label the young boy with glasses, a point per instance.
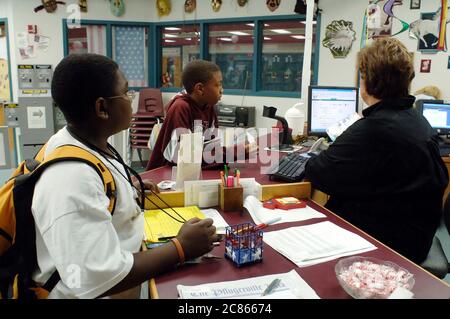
(96, 253)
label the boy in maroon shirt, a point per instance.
(190, 111)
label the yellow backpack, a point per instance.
(18, 258)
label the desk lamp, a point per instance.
(285, 138)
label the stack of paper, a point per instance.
(262, 215)
(292, 286)
(316, 243)
(159, 225)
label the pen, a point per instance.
(165, 238)
(271, 287)
(225, 168)
(222, 178)
(267, 223)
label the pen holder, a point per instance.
(231, 198)
(243, 244)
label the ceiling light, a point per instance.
(169, 35)
(281, 31)
(172, 28)
(300, 37)
(267, 38)
(226, 39)
(252, 24)
(169, 41)
(238, 33)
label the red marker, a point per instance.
(269, 222)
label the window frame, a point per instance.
(109, 41)
(258, 22)
(154, 52)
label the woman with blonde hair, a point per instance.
(384, 174)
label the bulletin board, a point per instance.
(5, 92)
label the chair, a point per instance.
(150, 103)
(436, 261)
(150, 111)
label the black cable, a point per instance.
(128, 177)
(141, 183)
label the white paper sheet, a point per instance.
(36, 117)
(205, 193)
(189, 158)
(291, 286)
(193, 189)
(261, 214)
(3, 149)
(219, 222)
(316, 243)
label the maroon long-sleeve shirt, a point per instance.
(182, 112)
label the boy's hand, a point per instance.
(148, 184)
(196, 236)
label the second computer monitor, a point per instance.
(328, 105)
(438, 115)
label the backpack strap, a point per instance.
(66, 153)
(52, 281)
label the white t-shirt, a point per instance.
(75, 232)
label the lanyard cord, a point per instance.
(128, 169)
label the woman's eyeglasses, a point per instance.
(129, 94)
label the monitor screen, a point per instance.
(328, 105)
(438, 115)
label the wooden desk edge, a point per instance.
(152, 291)
(380, 243)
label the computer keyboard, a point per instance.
(291, 168)
(444, 151)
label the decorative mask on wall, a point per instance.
(273, 4)
(117, 7)
(83, 5)
(190, 5)
(49, 5)
(164, 7)
(216, 4)
(339, 38)
(242, 3)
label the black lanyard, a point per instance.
(116, 156)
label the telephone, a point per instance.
(318, 146)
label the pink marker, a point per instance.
(230, 181)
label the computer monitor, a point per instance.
(328, 105)
(438, 115)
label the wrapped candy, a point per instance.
(368, 278)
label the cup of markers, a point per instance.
(231, 193)
(230, 180)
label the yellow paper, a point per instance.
(158, 224)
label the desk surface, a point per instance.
(320, 277)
